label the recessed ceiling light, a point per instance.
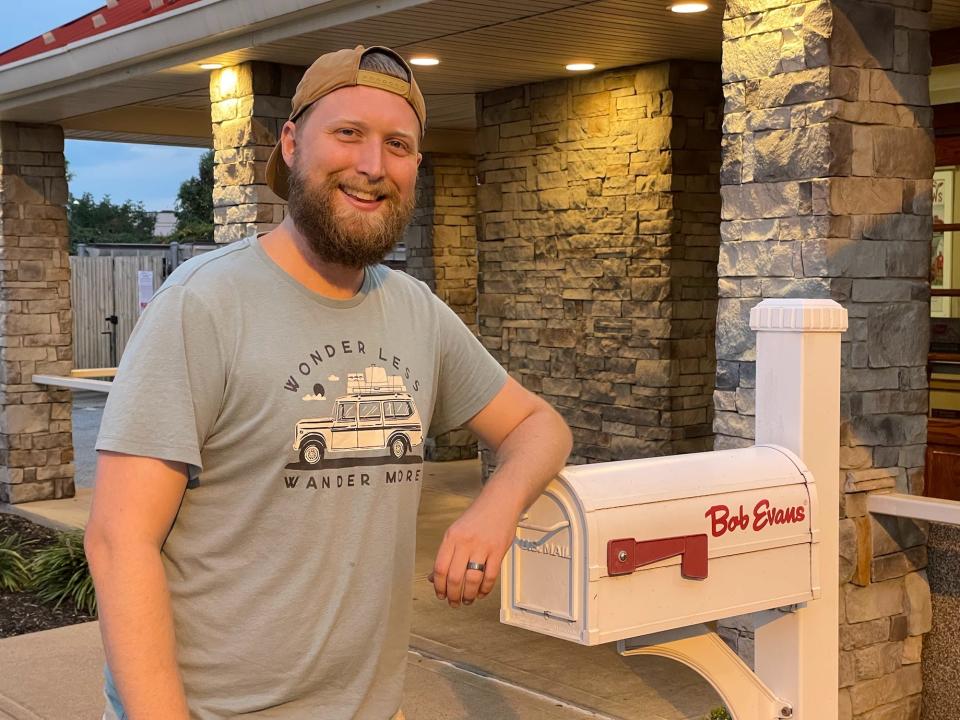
(424, 61)
(211, 66)
(689, 7)
(580, 67)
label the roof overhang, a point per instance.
(142, 82)
(205, 28)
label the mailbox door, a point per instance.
(543, 557)
(544, 569)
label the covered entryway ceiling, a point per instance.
(143, 83)
(482, 44)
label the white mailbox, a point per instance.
(621, 549)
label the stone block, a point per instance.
(848, 533)
(850, 46)
(885, 291)
(860, 196)
(765, 259)
(899, 564)
(735, 340)
(34, 418)
(265, 106)
(656, 373)
(561, 387)
(38, 138)
(855, 458)
(889, 160)
(877, 660)
(896, 88)
(733, 425)
(917, 603)
(898, 628)
(848, 669)
(888, 324)
(874, 601)
(888, 401)
(888, 697)
(19, 324)
(28, 492)
(842, 257)
(804, 86)
(548, 109)
(871, 479)
(51, 472)
(598, 103)
(864, 634)
(752, 56)
(760, 200)
(912, 649)
(891, 534)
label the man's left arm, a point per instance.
(531, 442)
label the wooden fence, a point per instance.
(104, 287)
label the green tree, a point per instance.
(106, 222)
(194, 206)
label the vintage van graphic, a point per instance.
(376, 413)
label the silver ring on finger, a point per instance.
(476, 566)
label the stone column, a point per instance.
(826, 184)
(36, 322)
(598, 238)
(442, 251)
(248, 105)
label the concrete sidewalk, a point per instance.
(463, 664)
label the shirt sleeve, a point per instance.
(469, 376)
(169, 386)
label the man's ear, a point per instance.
(288, 142)
(419, 159)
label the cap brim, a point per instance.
(278, 174)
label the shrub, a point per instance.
(60, 572)
(720, 713)
(14, 571)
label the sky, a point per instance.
(150, 174)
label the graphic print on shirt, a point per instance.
(376, 419)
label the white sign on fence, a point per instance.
(144, 287)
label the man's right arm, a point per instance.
(135, 502)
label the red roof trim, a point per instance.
(115, 14)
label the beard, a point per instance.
(343, 236)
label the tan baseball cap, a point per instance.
(334, 71)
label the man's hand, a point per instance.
(481, 535)
(532, 443)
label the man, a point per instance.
(252, 530)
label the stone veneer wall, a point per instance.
(36, 322)
(442, 251)
(598, 237)
(249, 103)
(827, 167)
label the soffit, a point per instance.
(483, 45)
(945, 14)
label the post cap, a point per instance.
(798, 315)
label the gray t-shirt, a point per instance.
(302, 419)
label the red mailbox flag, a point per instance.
(627, 554)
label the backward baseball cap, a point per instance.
(331, 72)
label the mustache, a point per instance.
(381, 190)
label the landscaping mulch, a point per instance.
(23, 612)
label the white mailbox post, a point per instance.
(644, 552)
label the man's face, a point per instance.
(353, 173)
